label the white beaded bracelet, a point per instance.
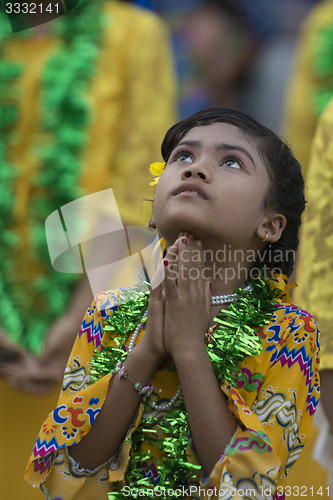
(146, 390)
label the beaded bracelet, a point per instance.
(146, 390)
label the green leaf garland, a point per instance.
(65, 116)
(236, 334)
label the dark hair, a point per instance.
(286, 194)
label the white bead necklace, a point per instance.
(216, 299)
(226, 299)
(155, 406)
(136, 332)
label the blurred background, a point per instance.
(233, 53)
(85, 101)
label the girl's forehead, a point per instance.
(216, 126)
(219, 132)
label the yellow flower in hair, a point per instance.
(156, 169)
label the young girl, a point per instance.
(204, 387)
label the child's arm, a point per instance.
(122, 400)
(80, 410)
(118, 410)
(187, 313)
(212, 423)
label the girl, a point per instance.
(206, 385)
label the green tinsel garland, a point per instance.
(234, 338)
(8, 116)
(65, 116)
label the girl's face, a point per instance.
(214, 186)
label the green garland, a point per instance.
(236, 335)
(8, 116)
(234, 338)
(65, 116)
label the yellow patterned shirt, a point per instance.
(274, 405)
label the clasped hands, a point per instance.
(179, 304)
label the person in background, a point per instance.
(309, 101)
(71, 91)
(308, 128)
(84, 100)
(219, 30)
(221, 45)
(310, 87)
(315, 267)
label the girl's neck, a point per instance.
(220, 288)
(224, 287)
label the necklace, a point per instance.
(235, 337)
(155, 406)
(217, 299)
(226, 299)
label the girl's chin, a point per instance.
(171, 228)
(171, 237)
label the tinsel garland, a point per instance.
(65, 116)
(9, 72)
(236, 334)
(235, 337)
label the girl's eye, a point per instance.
(233, 164)
(183, 157)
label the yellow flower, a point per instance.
(156, 169)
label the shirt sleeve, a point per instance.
(80, 401)
(274, 407)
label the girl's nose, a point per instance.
(195, 171)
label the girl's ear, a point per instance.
(151, 225)
(271, 228)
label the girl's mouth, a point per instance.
(190, 194)
(190, 189)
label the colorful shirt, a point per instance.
(273, 405)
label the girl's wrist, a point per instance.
(181, 341)
(144, 353)
(193, 351)
(190, 358)
(143, 390)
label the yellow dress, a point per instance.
(302, 109)
(312, 148)
(315, 262)
(273, 404)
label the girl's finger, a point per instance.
(170, 263)
(157, 281)
(191, 263)
(208, 295)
